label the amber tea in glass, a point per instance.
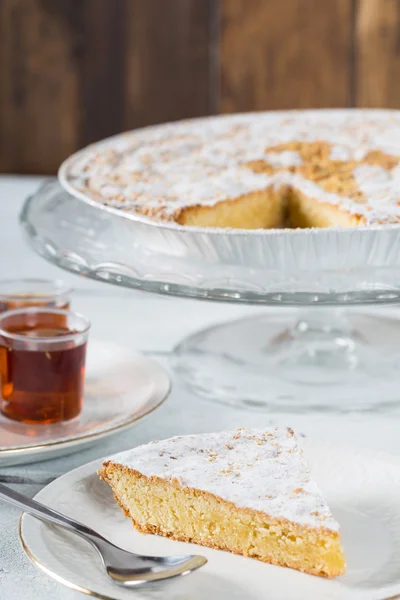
(42, 364)
(19, 293)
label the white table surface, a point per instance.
(153, 324)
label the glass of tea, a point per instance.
(42, 364)
(18, 293)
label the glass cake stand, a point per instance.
(316, 353)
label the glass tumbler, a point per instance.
(18, 293)
(42, 364)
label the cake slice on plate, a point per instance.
(247, 491)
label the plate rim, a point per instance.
(52, 574)
(307, 442)
(37, 448)
(66, 165)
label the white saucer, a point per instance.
(362, 488)
(121, 387)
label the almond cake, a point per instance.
(246, 491)
(251, 171)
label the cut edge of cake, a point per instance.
(165, 505)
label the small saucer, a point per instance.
(121, 387)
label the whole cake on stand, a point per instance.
(254, 171)
(293, 208)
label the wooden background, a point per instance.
(75, 71)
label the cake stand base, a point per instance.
(319, 359)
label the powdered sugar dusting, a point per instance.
(161, 170)
(286, 158)
(381, 186)
(259, 469)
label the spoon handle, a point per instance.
(45, 513)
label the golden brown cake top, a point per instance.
(346, 158)
(263, 470)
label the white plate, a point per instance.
(362, 488)
(121, 387)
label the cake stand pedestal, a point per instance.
(316, 352)
(325, 359)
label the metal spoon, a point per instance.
(124, 568)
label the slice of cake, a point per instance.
(247, 491)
